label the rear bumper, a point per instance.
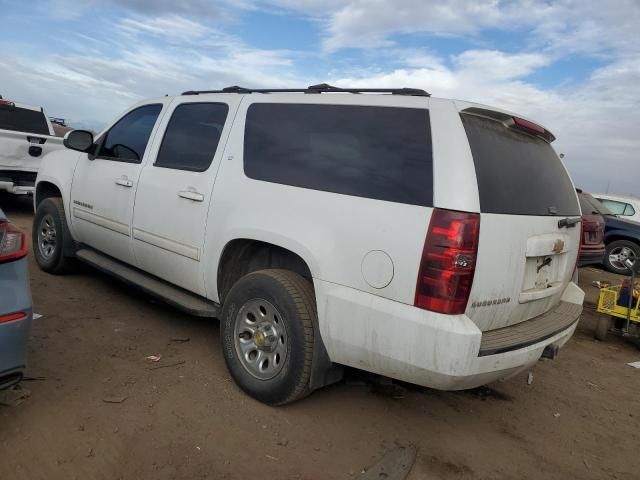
(590, 257)
(437, 351)
(14, 338)
(14, 335)
(16, 189)
(19, 182)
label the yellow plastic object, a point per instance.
(608, 303)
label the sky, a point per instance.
(571, 65)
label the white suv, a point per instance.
(428, 240)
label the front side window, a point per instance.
(383, 153)
(192, 136)
(127, 140)
(617, 208)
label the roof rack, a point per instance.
(321, 88)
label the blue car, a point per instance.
(15, 303)
(621, 237)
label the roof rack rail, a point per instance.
(320, 88)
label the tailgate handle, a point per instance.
(569, 222)
(38, 140)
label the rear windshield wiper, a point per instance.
(568, 222)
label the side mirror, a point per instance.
(80, 140)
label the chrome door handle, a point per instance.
(189, 195)
(124, 181)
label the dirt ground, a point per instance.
(580, 418)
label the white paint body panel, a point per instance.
(365, 307)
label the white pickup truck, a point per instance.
(26, 135)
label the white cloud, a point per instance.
(168, 47)
(142, 58)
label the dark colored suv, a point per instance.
(592, 246)
(621, 237)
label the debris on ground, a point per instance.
(36, 316)
(530, 378)
(180, 339)
(556, 415)
(395, 465)
(12, 397)
(634, 364)
(33, 379)
(154, 358)
(113, 399)
(174, 364)
(601, 283)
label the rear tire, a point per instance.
(51, 237)
(618, 250)
(268, 335)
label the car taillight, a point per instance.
(448, 262)
(12, 316)
(13, 243)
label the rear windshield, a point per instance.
(23, 120)
(382, 153)
(518, 174)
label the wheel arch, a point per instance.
(242, 256)
(46, 189)
(620, 235)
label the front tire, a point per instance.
(51, 238)
(617, 252)
(267, 331)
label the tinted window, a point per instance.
(374, 152)
(590, 205)
(23, 120)
(617, 208)
(517, 173)
(596, 204)
(192, 136)
(127, 140)
(585, 205)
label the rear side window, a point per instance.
(192, 136)
(617, 208)
(23, 120)
(518, 174)
(382, 153)
(127, 140)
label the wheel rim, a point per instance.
(260, 339)
(47, 239)
(618, 256)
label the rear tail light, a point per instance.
(448, 262)
(7, 102)
(13, 243)
(12, 316)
